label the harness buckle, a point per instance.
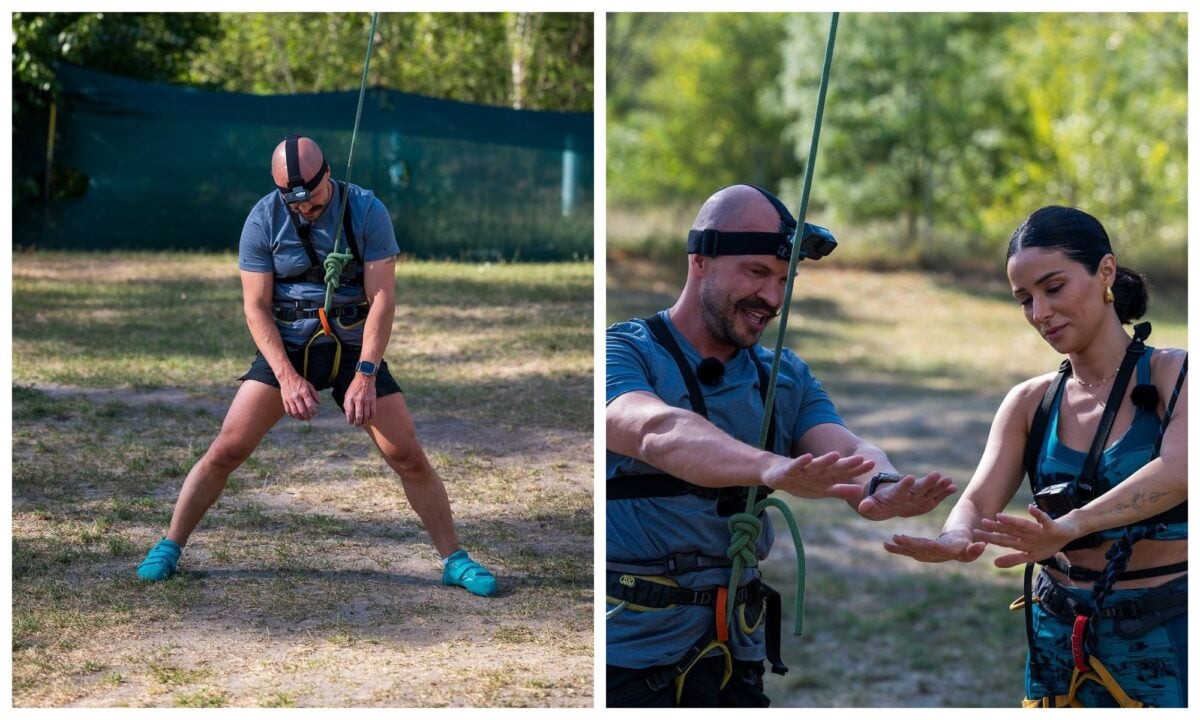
(683, 563)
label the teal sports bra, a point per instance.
(1059, 463)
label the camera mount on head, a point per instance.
(815, 241)
(298, 191)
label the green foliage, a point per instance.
(1105, 100)
(147, 46)
(458, 56)
(942, 131)
(914, 121)
(688, 104)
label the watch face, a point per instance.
(365, 367)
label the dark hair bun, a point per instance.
(1131, 295)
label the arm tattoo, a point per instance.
(1140, 500)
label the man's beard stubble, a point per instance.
(719, 314)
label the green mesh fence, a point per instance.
(166, 167)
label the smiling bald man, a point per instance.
(685, 391)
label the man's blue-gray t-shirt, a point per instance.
(648, 529)
(270, 244)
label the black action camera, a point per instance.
(1057, 500)
(816, 242)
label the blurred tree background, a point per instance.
(531, 61)
(942, 131)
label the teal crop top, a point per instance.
(1059, 463)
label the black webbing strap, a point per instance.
(635, 590)
(627, 487)
(291, 151)
(1062, 604)
(658, 327)
(1041, 418)
(1162, 429)
(1083, 574)
(1087, 481)
(712, 243)
(677, 564)
(315, 273)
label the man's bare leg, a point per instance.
(254, 411)
(393, 432)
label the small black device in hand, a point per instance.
(881, 478)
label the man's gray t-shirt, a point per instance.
(649, 529)
(270, 243)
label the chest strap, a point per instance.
(1085, 486)
(352, 274)
(730, 500)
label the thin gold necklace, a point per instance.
(1098, 383)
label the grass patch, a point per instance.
(312, 567)
(202, 699)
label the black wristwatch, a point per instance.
(880, 478)
(366, 367)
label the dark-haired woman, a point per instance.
(1118, 560)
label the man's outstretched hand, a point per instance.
(907, 498)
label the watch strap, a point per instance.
(881, 478)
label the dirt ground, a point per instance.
(311, 583)
(884, 631)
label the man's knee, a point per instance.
(406, 457)
(228, 452)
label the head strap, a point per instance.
(297, 190)
(710, 242)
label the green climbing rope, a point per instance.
(336, 261)
(746, 527)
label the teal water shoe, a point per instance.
(160, 562)
(462, 571)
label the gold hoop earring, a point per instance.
(1108, 296)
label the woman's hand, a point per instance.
(957, 544)
(1034, 540)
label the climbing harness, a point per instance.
(352, 272)
(1058, 498)
(755, 602)
(1134, 617)
(338, 269)
(746, 526)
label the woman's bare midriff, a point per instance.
(1146, 554)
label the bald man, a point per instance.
(685, 393)
(301, 350)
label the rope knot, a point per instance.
(335, 263)
(745, 529)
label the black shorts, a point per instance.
(320, 367)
